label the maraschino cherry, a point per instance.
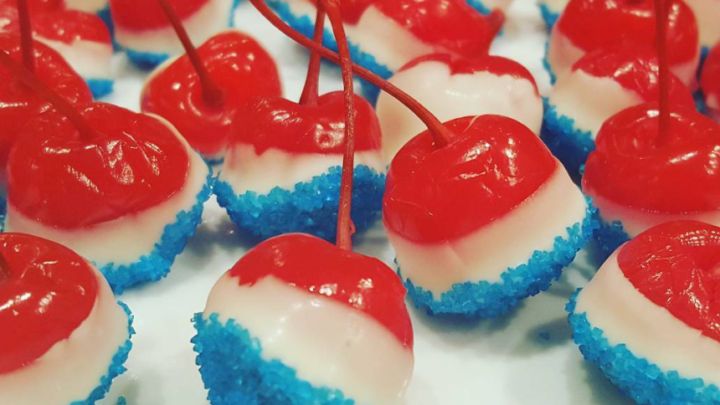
(653, 163)
(710, 82)
(459, 256)
(98, 176)
(328, 301)
(201, 92)
(58, 317)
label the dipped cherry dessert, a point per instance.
(601, 83)
(710, 83)
(282, 166)
(650, 317)
(452, 87)
(65, 337)
(143, 30)
(81, 38)
(201, 91)
(586, 25)
(294, 299)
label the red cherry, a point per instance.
(318, 267)
(676, 266)
(305, 128)
(234, 61)
(19, 104)
(592, 24)
(635, 69)
(143, 15)
(710, 81)
(677, 174)
(47, 293)
(435, 194)
(60, 178)
(450, 25)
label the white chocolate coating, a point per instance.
(451, 96)
(488, 252)
(90, 6)
(90, 59)
(650, 331)
(72, 368)
(329, 344)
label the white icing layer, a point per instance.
(136, 233)
(556, 6)
(636, 221)
(90, 6)
(328, 343)
(206, 22)
(575, 95)
(496, 4)
(90, 59)
(453, 96)
(72, 368)
(707, 14)
(504, 243)
(245, 170)
(371, 34)
(650, 331)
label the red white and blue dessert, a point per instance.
(586, 25)
(650, 317)
(65, 337)
(453, 87)
(710, 83)
(455, 213)
(122, 189)
(144, 31)
(642, 173)
(236, 65)
(601, 83)
(81, 38)
(298, 320)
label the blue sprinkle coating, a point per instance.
(105, 15)
(234, 371)
(310, 207)
(489, 300)
(546, 63)
(100, 87)
(3, 212)
(479, 6)
(116, 365)
(549, 17)
(609, 237)
(156, 265)
(146, 60)
(637, 377)
(568, 143)
(699, 99)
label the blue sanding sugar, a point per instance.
(609, 237)
(639, 378)
(310, 207)
(568, 143)
(546, 63)
(234, 371)
(100, 87)
(549, 17)
(116, 367)
(488, 300)
(479, 6)
(156, 265)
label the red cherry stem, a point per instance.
(26, 39)
(63, 106)
(310, 91)
(345, 227)
(441, 134)
(212, 94)
(661, 20)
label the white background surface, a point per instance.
(527, 357)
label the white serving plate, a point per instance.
(527, 357)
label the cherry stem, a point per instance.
(26, 37)
(441, 135)
(212, 94)
(62, 105)
(661, 19)
(310, 91)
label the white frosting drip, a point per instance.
(573, 97)
(90, 59)
(636, 221)
(206, 22)
(650, 331)
(453, 96)
(72, 368)
(707, 13)
(486, 253)
(136, 233)
(245, 170)
(326, 342)
(556, 6)
(90, 6)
